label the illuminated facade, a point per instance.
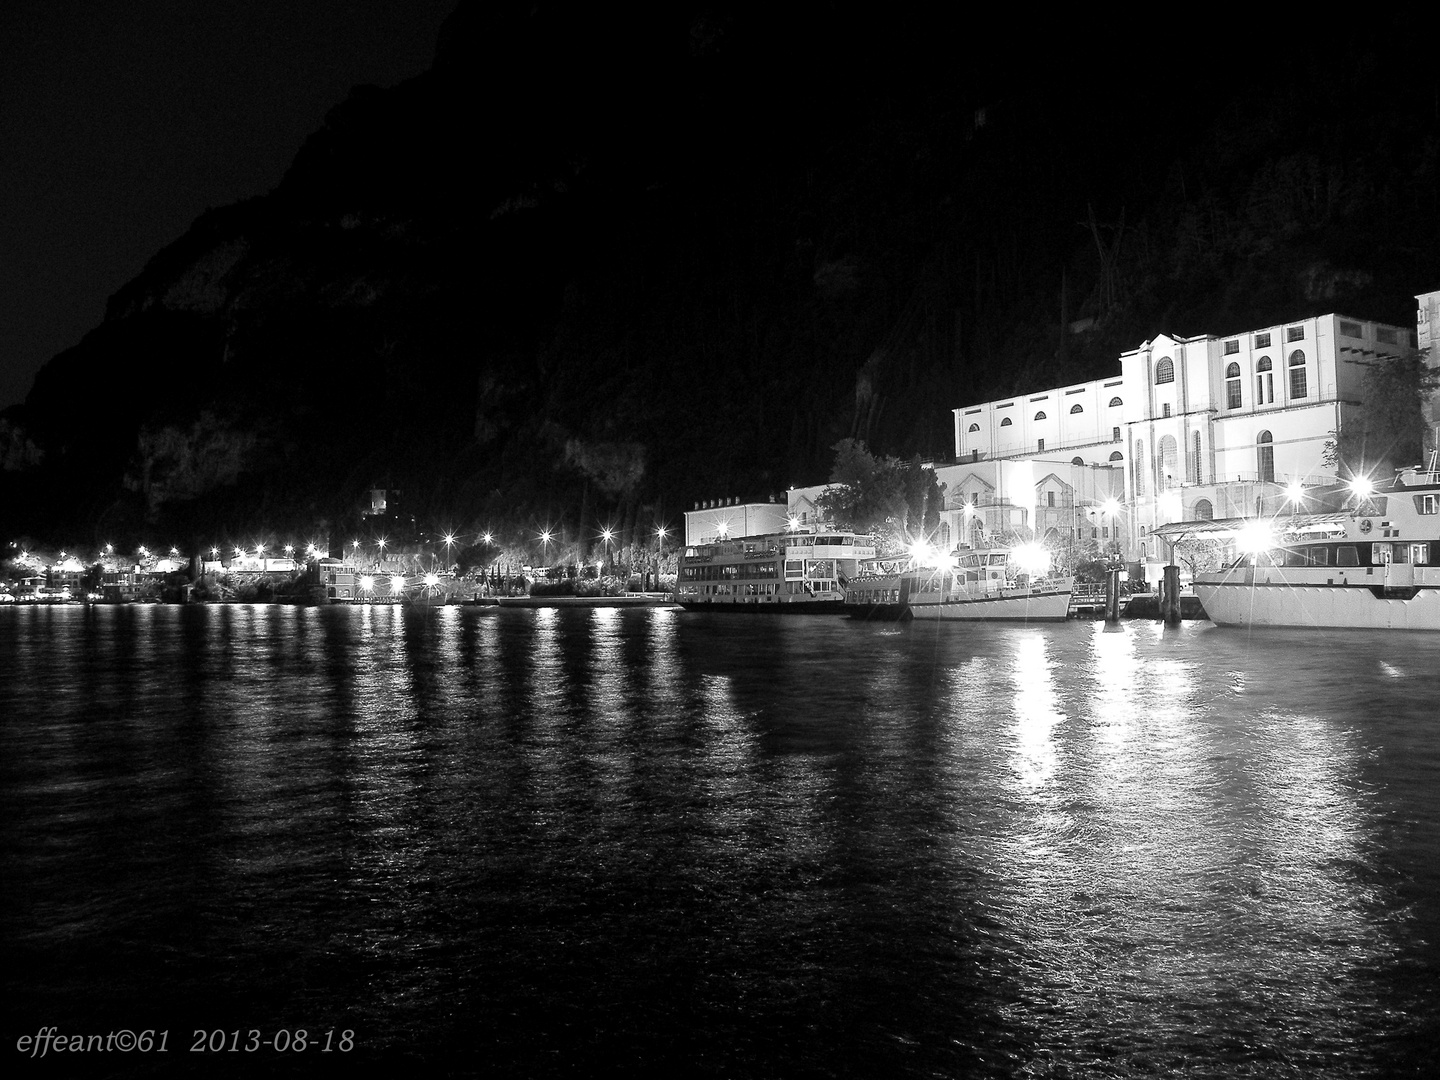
(1192, 428)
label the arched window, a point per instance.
(1077, 461)
(1297, 374)
(1232, 386)
(974, 427)
(1265, 456)
(1164, 371)
(1006, 422)
(1169, 463)
(1264, 382)
(1115, 402)
(1196, 473)
(1076, 408)
(1039, 416)
(1204, 511)
(1139, 467)
(1117, 456)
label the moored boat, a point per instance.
(785, 573)
(971, 585)
(1357, 559)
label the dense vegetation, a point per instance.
(595, 266)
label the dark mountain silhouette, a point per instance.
(595, 265)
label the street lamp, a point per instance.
(659, 544)
(545, 545)
(607, 535)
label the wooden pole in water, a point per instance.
(1170, 596)
(1112, 597)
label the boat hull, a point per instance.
(764, 605)
(1018, 605)
(1358, 607)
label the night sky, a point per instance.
(120, 123)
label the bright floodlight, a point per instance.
(1362, 487)
(1257, 536)
(1295, 492)
(606, 534)
(239, 553)
(449, 538)
(723, 528)
(921, 553)
(792, 523)
(1032, 559)
(397, 583)
(486, 538)
(367, 583)
(1110, 506)
(660, 531)
(431, 580)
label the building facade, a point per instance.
(1193, 427)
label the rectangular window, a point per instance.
(1115, 434)
(1166, 407)
(1351, 329)
(1295, 333)
(1232, 347)
(1297, 382)
(1420, 554)
(1387, 335)
(1345, 555)
(1262, 341)
(1232, 394)
(1050, 498)
(1427, 504)
(1319, 556)
(1105, 532)
(1042, 444)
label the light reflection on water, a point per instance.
(538, 839)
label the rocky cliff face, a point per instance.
(593, 266)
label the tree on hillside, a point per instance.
(884, 496)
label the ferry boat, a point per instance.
(1359, 559)
(786, 573)
(973, 585)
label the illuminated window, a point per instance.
(1006, 422)
(1041, 447)
(1297, 374)
(1195, 469)
(1232, 386)
(1139, 467)
(1115, 434)
(1039, 416)
(1204, 511)
(1076, 408)
(1232, 347)
(1164, 371)
(1165, 409)
(1351, 329)
(1077, 461)
(1115, 402)
(1169, 463)
(1262, 341)
(1295, 333)
(1264, 382)
(974, 427)
(1117, 456)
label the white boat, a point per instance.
(973, 585)
(1357, 560)
(785, 573)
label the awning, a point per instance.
(1295, 526)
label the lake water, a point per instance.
(549, 842)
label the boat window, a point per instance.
(997, 559)
(1420, 554)
(1347, 555)
(1319, 556)
(1427, 504)
(1295, 557)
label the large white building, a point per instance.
(1193, 427)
